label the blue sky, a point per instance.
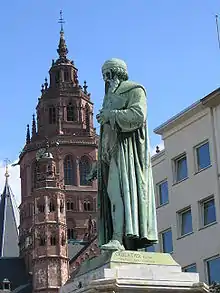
(170, 47)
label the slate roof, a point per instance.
(77, 254)
(13, 269)
(74, 248)
(8, 226)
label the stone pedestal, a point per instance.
(131, 271)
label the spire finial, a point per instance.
(7, 161)
(62, 48)
(61, 21)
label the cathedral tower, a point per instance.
(56, 199)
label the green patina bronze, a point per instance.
(125, 185)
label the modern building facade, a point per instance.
(187, 183)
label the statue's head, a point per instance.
(114, 71)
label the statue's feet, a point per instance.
(113, 245)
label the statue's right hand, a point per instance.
(103, 116)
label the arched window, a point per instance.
(42, 240)
(41, 208)
(34, 171)
(53, 240)
(52, 115)
(66, 76)
(87, 117)
(40, 205)
(61, 206)
(71, 112)
(70, 206)
(87, 206)
(84, 168)
(52, 205)
(70, 234)
(69, 171)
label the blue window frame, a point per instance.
(208, 211)
(167, 241)
(213, 269)
(185, 222)
(181, 171)
(190, 269)
(162, 189)
(150, 248)
(203, 156)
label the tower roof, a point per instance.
(8, 226)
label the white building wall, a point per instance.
(203, 243)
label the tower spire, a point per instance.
(34, 131)
(62, 48)
(6, 169)
(8, 225)
(28, 136)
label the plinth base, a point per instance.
(133, 271)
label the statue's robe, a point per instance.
(130, 149)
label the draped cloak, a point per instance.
(131, 152)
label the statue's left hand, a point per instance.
(103, 116)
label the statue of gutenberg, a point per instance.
(126, 200)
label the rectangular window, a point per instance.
(57, 77)
(66, 76)
(190, 269)
(167, 241)
(52, 115)
(185, 222)
(71, 113)
(162, 193)
(180, 168)
(213, 269)
(203, 156)
(208, 212)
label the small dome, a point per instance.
(47, 155)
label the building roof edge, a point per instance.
(160, 129)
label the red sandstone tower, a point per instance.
(50, 257)
(57, 202)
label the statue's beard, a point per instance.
(111, 85)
